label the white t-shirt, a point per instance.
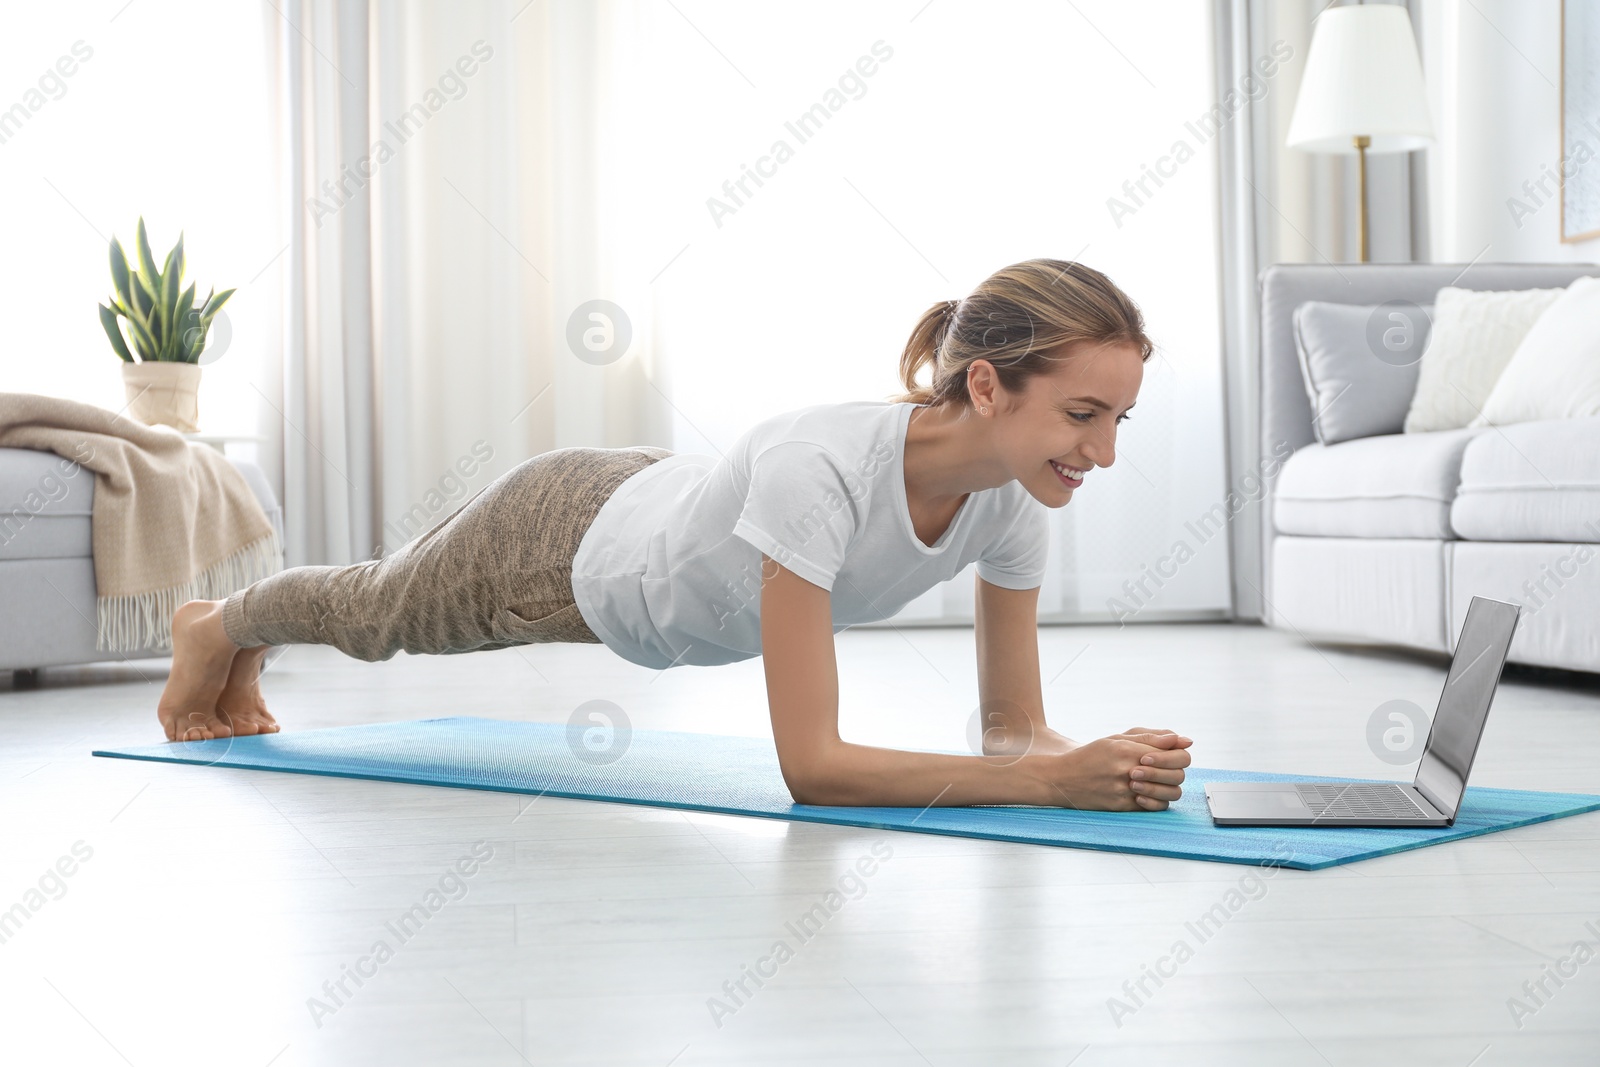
(670, 571)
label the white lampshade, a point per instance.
(1362, 76)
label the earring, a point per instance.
(983, 411)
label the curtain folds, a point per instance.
(320, 406)
(451, 186)
(1246, 226)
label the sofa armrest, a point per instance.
(256, 478)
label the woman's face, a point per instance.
(1063, 424)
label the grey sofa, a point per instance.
(47, 588)
(1387, 538)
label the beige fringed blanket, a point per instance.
(173, 521)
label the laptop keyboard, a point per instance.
(1360, 801)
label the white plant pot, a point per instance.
(164, 394)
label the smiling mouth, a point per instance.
(1070, 476)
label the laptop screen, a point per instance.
(1464, 704)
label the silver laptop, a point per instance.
(1433, 798)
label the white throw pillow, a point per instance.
(1474, 335)
(1555, 371)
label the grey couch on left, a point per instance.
(47, 588)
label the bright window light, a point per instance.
(163, 114)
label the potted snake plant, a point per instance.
(152, 316)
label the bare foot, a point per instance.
(241, 706)
(202, 658)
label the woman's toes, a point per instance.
(250, 720)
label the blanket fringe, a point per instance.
(144, 620)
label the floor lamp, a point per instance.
(1362, 89)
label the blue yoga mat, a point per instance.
(739, 776)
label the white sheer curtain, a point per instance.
(446, 180)
(628, 152)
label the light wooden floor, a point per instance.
(217, 903)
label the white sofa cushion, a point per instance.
(1555, 371)
(1393, 485)
(1532, 481)
(1474, 335)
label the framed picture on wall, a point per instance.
(1580, 108)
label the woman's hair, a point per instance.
(1022, 319)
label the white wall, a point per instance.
(1494, 78)
(83, 167)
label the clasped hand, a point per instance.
(1140, 769)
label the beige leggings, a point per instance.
(497, 572)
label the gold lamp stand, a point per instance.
(1362, 141)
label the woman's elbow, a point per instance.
(811, 782)
(809, 788)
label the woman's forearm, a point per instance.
(1025, 762)
(1034, 742)
(864, 775)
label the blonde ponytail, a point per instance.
(1021, 319)
(922, 349)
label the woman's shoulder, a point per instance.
(843, 429)
(847, 414)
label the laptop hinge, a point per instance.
(1431, 799)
